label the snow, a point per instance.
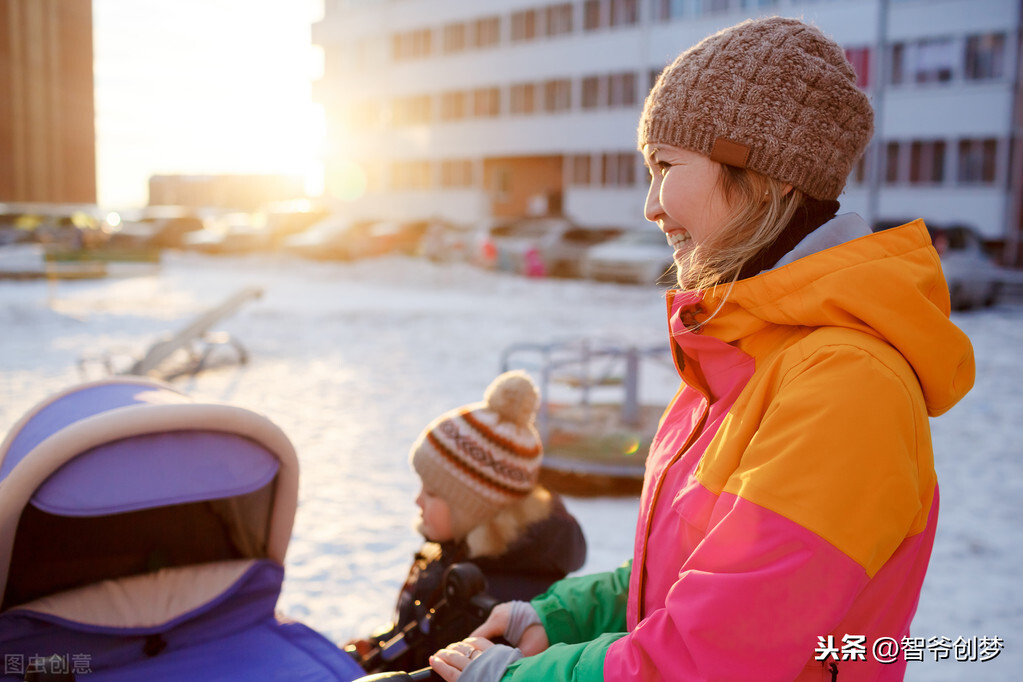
(353, 360)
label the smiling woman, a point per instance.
(199, 87)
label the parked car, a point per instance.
(387, 237)
(446, 242)
(547, 245)
(974, 279)
(233, 233)
(18, 227)
(640, 255)
(287, 218)
(336, 237)
(168, 225)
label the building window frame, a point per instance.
(984, 56)
(977, 162)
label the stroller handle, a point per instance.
(464, 589)
(424, 675)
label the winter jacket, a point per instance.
(546, 552)
(790, 494)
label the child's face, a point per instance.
(434, 517)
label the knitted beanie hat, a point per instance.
(483, 456)
(774, 95)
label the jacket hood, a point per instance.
(887, 284)
(554, 545)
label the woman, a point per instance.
(790, 499)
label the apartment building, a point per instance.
(47, 116)
(481, 110)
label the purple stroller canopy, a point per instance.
(120, 448)
(156, 470)
(148, 531)
(141, 471)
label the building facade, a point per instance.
(47, 114)
(476, 111)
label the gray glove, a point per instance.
(490, 665)
(521, 617)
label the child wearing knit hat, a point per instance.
(480, 501)
(790, 501)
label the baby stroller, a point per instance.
(142, 536)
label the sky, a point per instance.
(203, 87)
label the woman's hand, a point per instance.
(450, 661)
(533, 640)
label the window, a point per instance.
(935, 60)
(559, 19)
(666, 10)
(618, 170)
(456, 173)
(453, 105)
(486, 32)
(859, 57)
(454, 38)
(580, 170)
(858, 175)
(523, 25)
(985, 56)
(523, 98)
(891, 157)
(624, 12)
(977, 161)
(926, 162)
(486, 102)
(897, 64)
(591, 92)
(412, 110)
(593, 15)
(925, 61)
(652, 78)
(713, 6)
(557, 95)
(411, 44)
(410, 175)
(364, 115)
(621, 91)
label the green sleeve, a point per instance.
(580, 609)
(576, 662)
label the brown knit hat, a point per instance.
(774, 95)
(483, 456)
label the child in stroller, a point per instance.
(481, 504)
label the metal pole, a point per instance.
(875, 165)
(630, 406)
(1014, 215)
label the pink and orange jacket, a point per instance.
(790, 494)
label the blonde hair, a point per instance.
(761, 208)
(493, 536)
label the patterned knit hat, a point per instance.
(483, 456)
(774, 95)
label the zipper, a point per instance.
(697, 430)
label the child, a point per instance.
(480, 502)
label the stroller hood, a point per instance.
(125, 476)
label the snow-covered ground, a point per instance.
(353, 360)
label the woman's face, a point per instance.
(434, 517)
(685, 199)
